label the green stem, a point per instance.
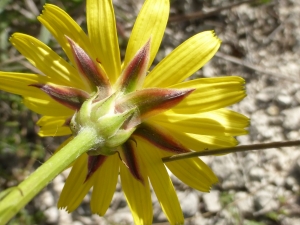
(31, 186)
(241, 148)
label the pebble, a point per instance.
(291, 221)
(189, 202)
(212, 201)
(265, 199)
(58, 183)
(273, 110)
(284, 99)
(297, 96)
(121, 217)
(257, 173)
(78, 223)
(266, 95)
(84, 220)
(244, 201)
(292, 184)
(293, 135)
(292, 118)
(64, 217)
(51, 215)
(48, 200)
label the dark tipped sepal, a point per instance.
(94, 162)
(160, 138)
(67, 96)
(89, 69)
(150, 102)
(129, 158)
(134, 74)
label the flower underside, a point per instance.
(132, 120)
(117, 112)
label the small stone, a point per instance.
(161, 217)
(273, 110)
(51, 215)
(189, 202)
(254, 186)
(278, 180)
(284, 99)
(198, 219)
(59, 182)
(297, 96)
(212, 201)
(118, 200)
(276, 159)
(84, 219)
(248, 106)
(64, 217)
(292, 118)
(293, 135)
(99, 219)
(276, 120)
(265, 200)
(291, 220)
(266, 95)
(291, 184)
(46, 200)
(260, 118)
(77, 223)
(257, 173)
(244, 202)
(121, 217)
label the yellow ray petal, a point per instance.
(54, 131)
(137, 194)
(185, 60)
(75, 188)
(51, 121)
(46, 60)
(160, 181)
(215, 123)
(53, 126)
(213, 82)
(208, 100)
(34, 99)
(192, 172)
(198, 142)
(210, 94)
(102, 32)
(106, 178)
(18, 83)
(150, 23)
(228, 118)
(45, 105)
(59, 23)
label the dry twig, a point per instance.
(255, 67)
(202, 15)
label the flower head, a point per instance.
(139, 116)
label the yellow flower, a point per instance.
(157, 115)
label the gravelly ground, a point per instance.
(261, 43)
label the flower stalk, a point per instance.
(30, 187)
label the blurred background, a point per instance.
(260, 42)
